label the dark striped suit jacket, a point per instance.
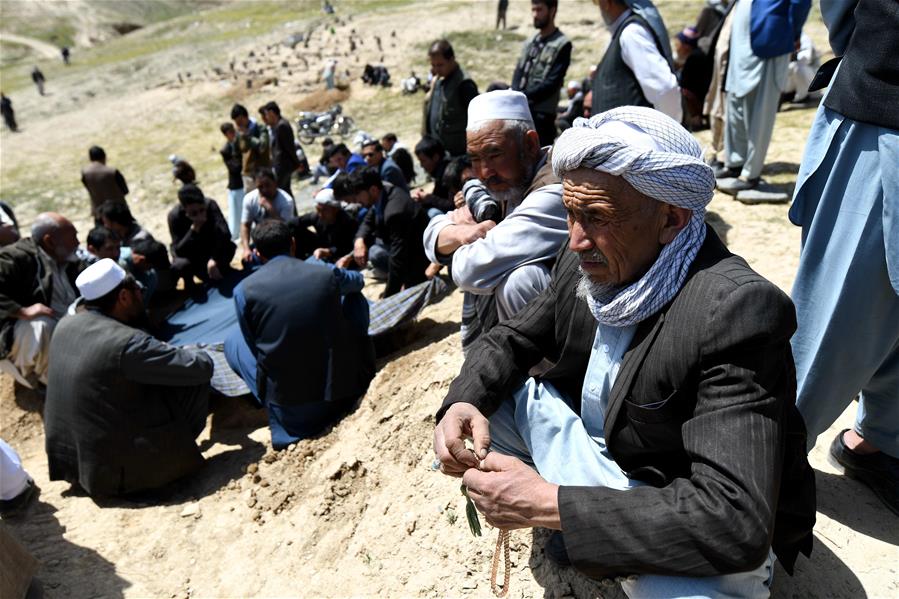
(703, 409)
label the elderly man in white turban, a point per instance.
(656, 428)
(504, 259)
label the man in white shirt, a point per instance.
(266, 201)
(636, 68)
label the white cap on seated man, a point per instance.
(509, 260)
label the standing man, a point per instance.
(763, 35)
(847, 287)
(284, 152)
(38, 77)
(446, 107)
(233, 162)
(9, 115)
(373, 153)
(37, 285)
(636, 69)
(501, 9)
(302, 347)
(541, 69)
(123, 409)
(253, 143)
(103, 183)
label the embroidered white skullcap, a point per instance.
(325, 197)
(499, 105)
(99, 278)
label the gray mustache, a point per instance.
(593, 255)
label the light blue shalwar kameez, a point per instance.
(538, 426)
(847, 288)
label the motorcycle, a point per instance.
(331, 123)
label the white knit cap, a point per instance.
(100, 278)
(499, 105)
(325, 197)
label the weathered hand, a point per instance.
(462, 216)
(511, 494)
(478, 231)
(33, 311)
(461, 421)
(459, 199)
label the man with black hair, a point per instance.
(303, 346)
(123, 409)
(541, 69)
(446, 107)
(373, 154)
(265, 201)
(103, 183)
(432, 158)
(201, 242)
(117, 218)
(340, 158)
(253, 142)
(390, 233)
(233, 162)
(37, 285)
(390, 143)
(101, 243)
(284, 153)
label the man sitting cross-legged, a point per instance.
(303, 346)
(662, 438)
(123, 409)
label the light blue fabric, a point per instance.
(235, 209)
(753, 92)
(539, 426)
(609, 346)
(847, 288)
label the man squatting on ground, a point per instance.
(662, 440)
(508, 263)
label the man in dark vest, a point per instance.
(103, 183)
(446, 107)
(303, 346)
(541, 69)
(636, 68)
(847, 287)
(123, 409)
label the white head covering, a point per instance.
(325, 197)
(100, 278)
(499, 105)
(574, 83)
(660, 159)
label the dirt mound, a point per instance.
(321, 99)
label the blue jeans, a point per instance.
(539, 427)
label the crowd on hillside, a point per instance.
(628, 381)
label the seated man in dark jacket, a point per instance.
(432, 158)
(123, 409)
(201, 240)
(644, 404)
(333, 229)
(391, 231)
(303, 346)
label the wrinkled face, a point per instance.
(372, 156)
(267, 188)
(614, 229)
(328, 214)
(111, 248)
(498, 158)
(541, 14)
(429, 163)
(440, 66)
(62, 243)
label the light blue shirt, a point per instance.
(608, 350)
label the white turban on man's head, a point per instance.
(660, 159)
(646, 148)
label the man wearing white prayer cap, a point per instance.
(122, 408)
(501, 265)
(655, 429)
(327, 233)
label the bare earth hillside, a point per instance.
(357, 511)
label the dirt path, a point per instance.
(45, 49)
